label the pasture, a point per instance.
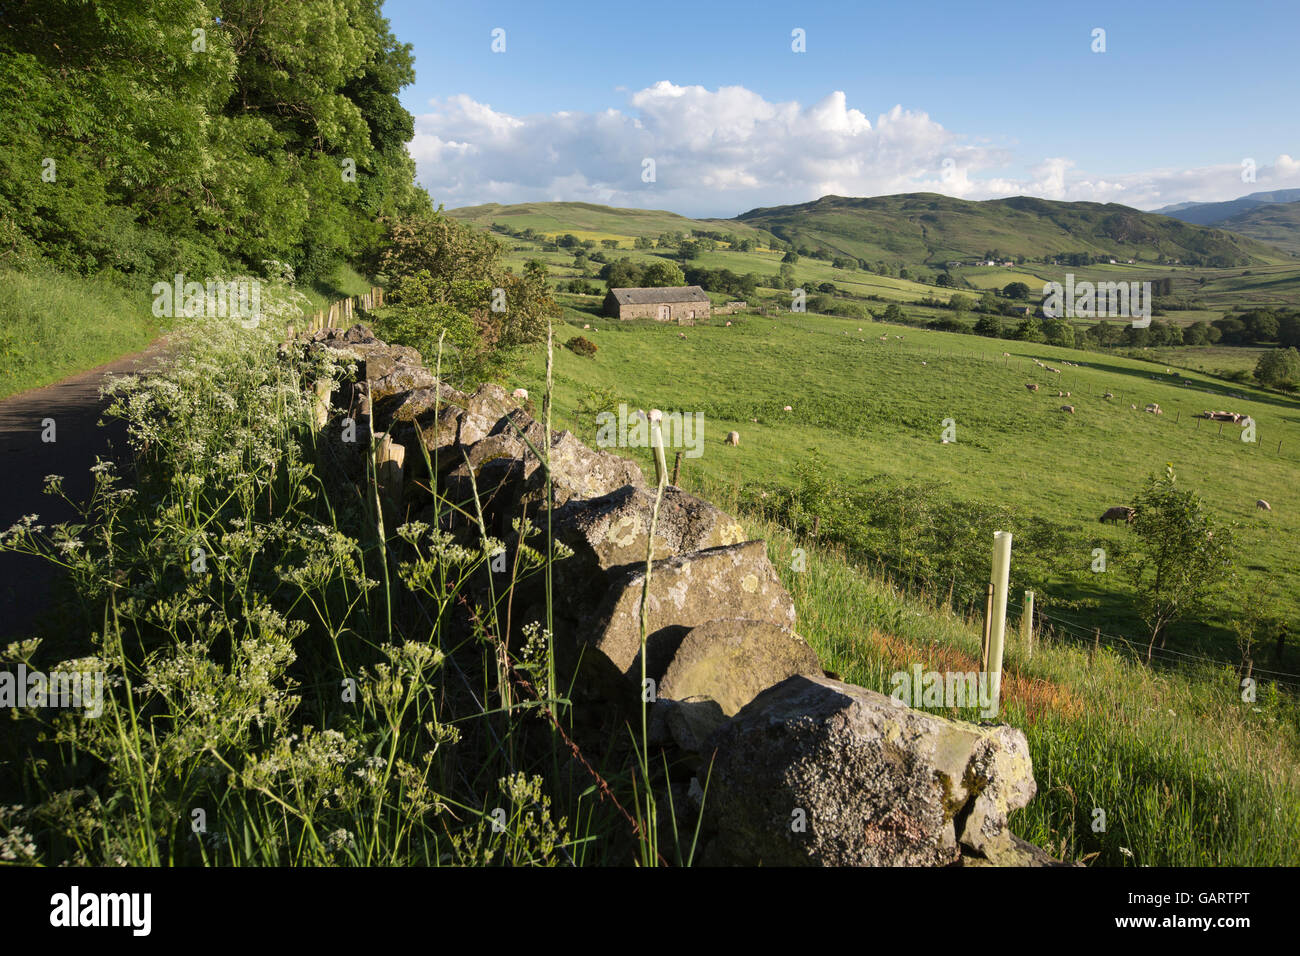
(872, 408)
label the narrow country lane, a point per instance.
(75, 406)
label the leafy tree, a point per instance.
(1016, 290)
(944, 281)
(988, 325)
(1029, 330)
(643, 242)
(609, 243)
(662, 273)
(621, 274)
(1288, 330)
(688, 249)
(893, 314)
(1279, 368)
(790, 257)
(1058, 332)
(1178, 556)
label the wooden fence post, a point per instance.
(390, 458)
(677, 467)
(998, 621)
(1027, 624)
(320, 411)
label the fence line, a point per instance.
(342, 311)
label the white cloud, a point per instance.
(720, 152)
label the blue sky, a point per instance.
(1011, 95)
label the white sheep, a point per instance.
(1263, 505)
(521, 394)
(733, 438)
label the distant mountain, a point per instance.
(1275, 223)
(1271, 217)
(1214, 213)
(914, 229)
(932, 229)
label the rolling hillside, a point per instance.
(1274, 223)
(591, 221)
(932, 229)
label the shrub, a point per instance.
(579, 345)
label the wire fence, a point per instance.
(1095, 635)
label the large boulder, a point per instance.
(375, 359)
(817, 772)
(404, 378)
(732, 661)
(610, 532)
(686, 590)
(576, 472)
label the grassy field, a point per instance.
(55, 325)
(876, 408)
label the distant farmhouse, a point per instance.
(682, 304)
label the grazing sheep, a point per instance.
(1032, 387)
(521, 394)
(587, 326)
(1068, 408)
(1108, 395)
(1067, 394)
(1117, 513)
(1133, 407)
(1154, 409)
(925, 363)
(789, 408)
(1006, 355)
(728, 323)
(1060, 394)
(1263, 505)
(681, 335)
(733, 438)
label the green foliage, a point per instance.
(1279, 368)
(580, 345)
(56, 324)
(447, 279)
(1179, 553)
(662, 274)
(197, 153)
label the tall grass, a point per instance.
(55, 324)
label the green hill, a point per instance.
(1275, 223)
(926, 228)
(592, 221)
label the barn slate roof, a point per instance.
(655, 296)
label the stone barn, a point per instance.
(682, 304)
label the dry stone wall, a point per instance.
(802, 769)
